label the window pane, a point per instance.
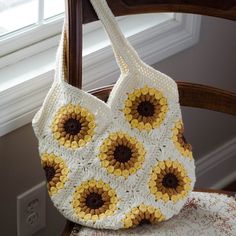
(53, 8)
(16, 14)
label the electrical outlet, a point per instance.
(31, 210)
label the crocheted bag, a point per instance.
(117, 164)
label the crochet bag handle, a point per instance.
(126, 57)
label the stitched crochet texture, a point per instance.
(117, 164)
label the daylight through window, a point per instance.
(20, 15)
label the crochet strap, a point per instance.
(124, 52)
(61, 63)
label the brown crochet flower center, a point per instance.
(170, 181)
(144, 222)
(122, 153)
(146, 108)
(94, 201)
(182, 140)
(143, 215)
(72, 126)
(49, 172)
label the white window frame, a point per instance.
(24, 80)
(29, 35)
(33, 39)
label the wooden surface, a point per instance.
(219, 8)
(74, 42)
(68, 228)
(231, 187)
(207, 97)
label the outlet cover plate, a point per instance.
(31, 210)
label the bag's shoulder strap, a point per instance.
(61, 72)
(125, 54)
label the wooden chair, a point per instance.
(191, 94)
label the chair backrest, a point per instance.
(192, 95)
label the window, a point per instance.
(26, 22)
(28, 27)
(29, 35)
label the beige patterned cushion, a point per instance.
(205, 214)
